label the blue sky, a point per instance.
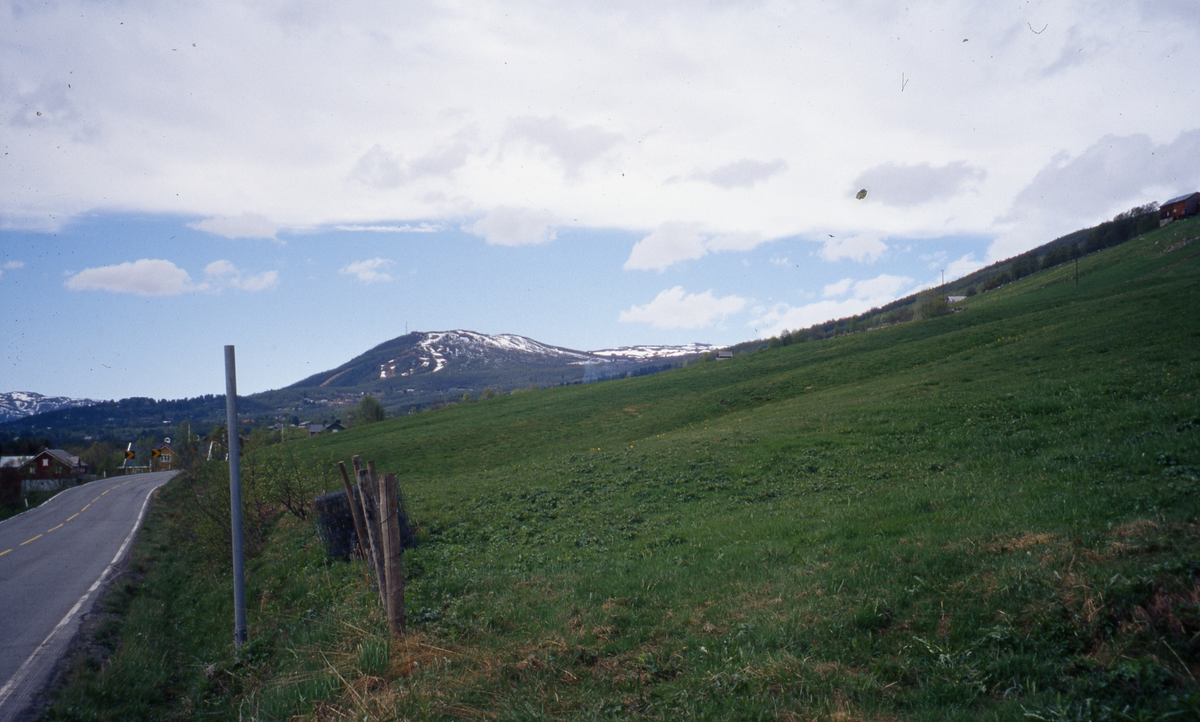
(114, 306)
(306, 180)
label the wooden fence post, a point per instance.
(371, 521)
(356, 511)
(393, 555)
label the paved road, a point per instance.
(53, 559)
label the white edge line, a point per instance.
(7, 690)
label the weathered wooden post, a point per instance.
(360, 530)
(366, 493)
(393, 555)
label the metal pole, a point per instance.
(235, 500)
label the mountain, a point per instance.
(633, 353)
(411, 372)
(19, 404)
(460, 359)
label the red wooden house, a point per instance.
(53, 464)
(51, 469)
(1179, 208)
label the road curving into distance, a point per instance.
(53, 562)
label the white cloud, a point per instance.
(10, 266)
(964, 266)
(669, 244)
(674, 308)
(881, 289)
(247, 225)
(371, 271)
(935, 260)
(860, 247)
(1112, 175)
(379, 169)
(742, 174)
(674, 242)
(590, 110)
(260, 282)
(220, 268)
(146, 277)
(733, 242)
(515, 227)
(837, 289)
(572, 146)
(382, 170)
(398, 228)
(223, 273)
(860, 296)
(909, 185)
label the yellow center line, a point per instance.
(104, 492)
(5, 552)
(85, 508)
(57, 527)
(73, 516)
(39, 536)
(95, 500)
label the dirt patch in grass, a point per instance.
(412, 654)
(1024, 542)
(760, 600)
(1143, 536)
(1134, 529)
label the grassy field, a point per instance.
(986, 515)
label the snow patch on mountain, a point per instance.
(646, 352)
(435, 351)
(19, 404)
(438, 350)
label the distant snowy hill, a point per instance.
(437, 351)
(645, 353)
(476, 359)
(415, 371)
(19, 404)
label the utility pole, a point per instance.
(235, 500)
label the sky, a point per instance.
(305, 180)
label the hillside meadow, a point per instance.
(985, 515)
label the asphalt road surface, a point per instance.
(53, 561)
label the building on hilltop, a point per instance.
(1179, 208)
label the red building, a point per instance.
(53, 464)
(1178, 208)
(52, 469)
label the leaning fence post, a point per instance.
(393, 555)
(355, 511)
(371, 520)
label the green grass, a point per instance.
(988, 515)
